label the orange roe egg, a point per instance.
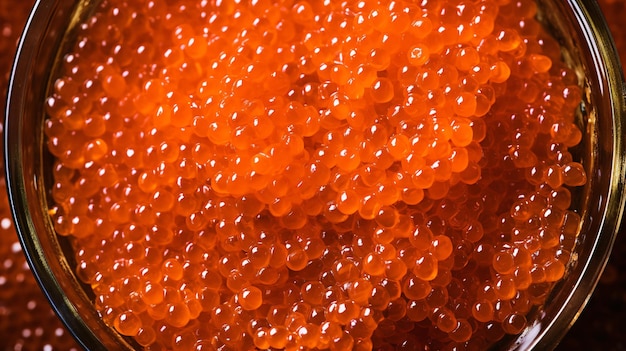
(315, 175)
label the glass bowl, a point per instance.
(579, 27)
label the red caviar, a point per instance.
(315, 175)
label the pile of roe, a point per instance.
(310, 175)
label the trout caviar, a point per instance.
(26, 320)
(350, 175)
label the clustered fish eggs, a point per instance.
(343, 175)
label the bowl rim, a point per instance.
(596, 33)
(20, 188)
(63, 292)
